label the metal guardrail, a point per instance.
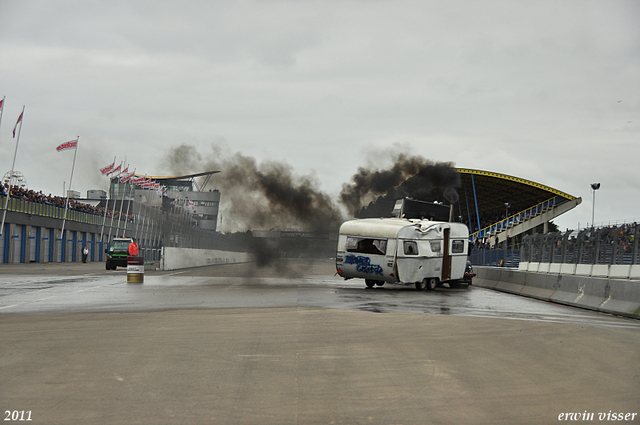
(518, 218)
(54, 211)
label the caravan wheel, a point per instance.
(420, 286)
(431, 283)
(370, 283)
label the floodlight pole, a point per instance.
(594, 187)
(506, 215)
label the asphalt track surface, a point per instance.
(295, 344)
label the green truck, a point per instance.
(117, 253)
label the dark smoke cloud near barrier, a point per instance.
(410, 176)
(270, 195)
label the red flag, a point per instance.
(1, 103)
(17, 122)
(115, 170)
(126, 177)
(108, 168)
(72, 144)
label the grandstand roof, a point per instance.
(493, 190)
(186, 176)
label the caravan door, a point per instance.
(446, 256)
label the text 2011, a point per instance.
(17, 415)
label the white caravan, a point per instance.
(405, 251)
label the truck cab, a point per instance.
(117, 253)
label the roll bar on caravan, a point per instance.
(403, 251)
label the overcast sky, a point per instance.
(544, 90)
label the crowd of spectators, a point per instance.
(57, 201)
(598, 245)
(624, 234)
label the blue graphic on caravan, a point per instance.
(363, 264)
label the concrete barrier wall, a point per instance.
(182, 258)
(613, 271)
(608, 295)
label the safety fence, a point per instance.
(506, 255)
(607, 245)
(610, 245)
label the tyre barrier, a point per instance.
(614, 296)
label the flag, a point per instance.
(108, 168)
(71, 144)
(115, 170)
(119, 172)
(17, 122)
(1, 103)
(127, 177)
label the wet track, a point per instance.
(299, 284)
(295, 344)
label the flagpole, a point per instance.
(2, 109)
(121, 203)
(105, 171)
(66, 204)
(113, 205)
(126, 182)
(13, 165)
(104, 220)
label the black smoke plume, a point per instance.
(260, 196)
(269, 195)
(372, 193)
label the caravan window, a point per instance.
(366, 245)
(410, 248)
(457, 247)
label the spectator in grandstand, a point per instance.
(39, 197)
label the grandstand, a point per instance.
(498, 206)
(495, 206)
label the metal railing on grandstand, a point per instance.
(606, 245)
(54, 211)
(519, 217)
